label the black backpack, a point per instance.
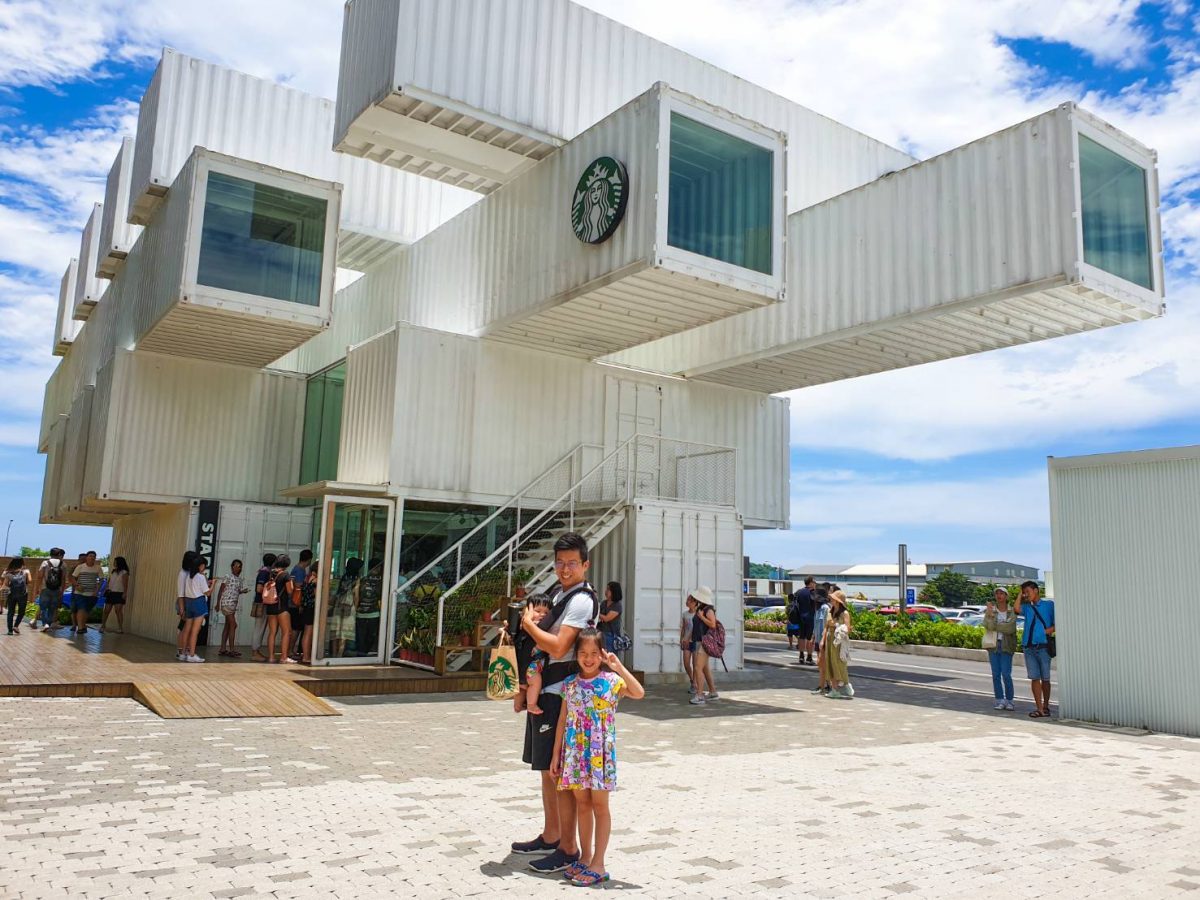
(793, 609)
(54, 576)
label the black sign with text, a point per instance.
(207, 516)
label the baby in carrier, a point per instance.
(530, 660)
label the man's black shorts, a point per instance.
(806, 627)
(539, 733)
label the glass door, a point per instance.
(354, 564)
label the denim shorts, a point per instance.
(195, 608)
(1037, 662)
(82, 603)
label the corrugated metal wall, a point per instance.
(186, 428)
(153, 544)
(88, 286)
(516, 250)
(675, 549)
(462, 405)
(116, 233)
(97, 452)
(66, 329)
(365, 447)
(1125, 528)
(75, 447)
(989, 216)
(193, 103)
(53, 476)
(553, 67)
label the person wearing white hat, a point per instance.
(704, 619)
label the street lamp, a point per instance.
(7, 531)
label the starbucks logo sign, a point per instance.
(599, 201)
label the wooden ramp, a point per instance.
(212, 699)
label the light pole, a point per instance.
(7, 531)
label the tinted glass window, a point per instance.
(261, 240)
(719, 203)
(322, 425)
(1116, 229)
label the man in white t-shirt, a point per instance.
(575, 608)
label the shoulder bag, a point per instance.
(1051, 643)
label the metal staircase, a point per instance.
(450, 611)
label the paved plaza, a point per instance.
(769, 791)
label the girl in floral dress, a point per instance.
(585, 748)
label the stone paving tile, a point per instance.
(419, 797)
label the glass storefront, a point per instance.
(1116, 227)
(354, 566)
(262, 240)
(322, 425)
(721, 191)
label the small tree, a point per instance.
(955, 589)
(931, 595)
(984, 593)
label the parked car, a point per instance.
(916, 611)
(956, 615)
(864, 605)
(974, 620)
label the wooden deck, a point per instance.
(35, 664)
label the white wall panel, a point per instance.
(193, 103)
(186, 428)
(66, 328)
(457, 397)
(529, 73)
(88, 286)
(675, 549)
(369, 402)
(53, 477)
(117, 235)
(1124, 529)
(153, 544)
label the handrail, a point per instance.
(504, 507)
(627, 482)
(516, 538)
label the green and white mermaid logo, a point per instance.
(599, 202)
(501, 679)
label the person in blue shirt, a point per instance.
(1038, 616)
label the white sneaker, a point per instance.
(192, 658)
(1008, 706)
(697, 701)
(999, 704)
(848, 689)
(713, 696)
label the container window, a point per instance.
(262, 240)
(1116, 227)
(721, 192)
(322, 425)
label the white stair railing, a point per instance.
(456, 595)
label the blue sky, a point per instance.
(949, 457)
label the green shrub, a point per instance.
(871, 626)
(761, 623)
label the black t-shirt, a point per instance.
(368, 596)
(282, 592)
(699, 628)
(613, 627)
(806, 604)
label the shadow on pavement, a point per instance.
(881, 684)
(516, 866)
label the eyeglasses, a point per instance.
(571, 564)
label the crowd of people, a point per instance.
(283, 608)
(819, 623)
(86, 581)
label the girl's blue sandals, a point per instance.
(585, 877)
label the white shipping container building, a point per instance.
(1124, 529)
(589, 263)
